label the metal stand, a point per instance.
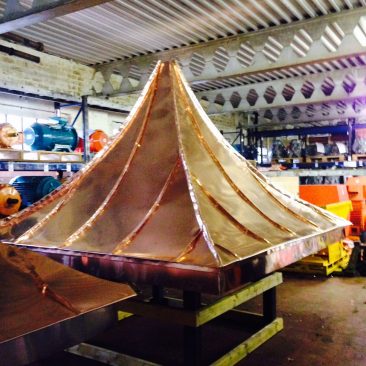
(192, 335)
(85, 110)
(192, 314)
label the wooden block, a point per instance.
(206, 313)
(249, 345)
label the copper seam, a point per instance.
(226, 176)
(197, 211)
(189, 248)
(10, 221)
(76, 185)
(29, 270)
(222, 210)
(87, 225)
(263, 186)
(227, 251)
(132, 235)
(81, 176)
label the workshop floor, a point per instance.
(325, 324)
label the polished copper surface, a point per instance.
(169, 189)
(38, 293)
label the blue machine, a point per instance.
(33, 188)
(248, 151)
(59, 136)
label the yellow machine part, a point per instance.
(10, 200)
(8, 135)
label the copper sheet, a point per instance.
(40, 295)
(170, 189)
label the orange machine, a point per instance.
(97, 139)
(356, 187)
(8, 135)
(10, 200)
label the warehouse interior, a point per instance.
(182, 182)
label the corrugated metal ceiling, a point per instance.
(126, 28)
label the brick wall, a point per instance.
(53, 76)
(62, 78)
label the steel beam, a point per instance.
(17, 16)
(326, 88)
(313, 113)
(324, 38)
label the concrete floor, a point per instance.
(325, 324)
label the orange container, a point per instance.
(322, 195)
(358, 205)
(356, 196)
(356, 180)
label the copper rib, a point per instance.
(278, 202)
(130, 237)
(227, 251)
(222, 210)
(228, 179)
(189, 248)
(187, 174)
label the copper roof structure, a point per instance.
(170, 193)
(45, 306)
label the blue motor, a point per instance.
(248, 151)
(33, 188)
(59, 136)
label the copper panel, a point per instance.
(170, 190)
(40, 296)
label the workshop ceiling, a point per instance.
(223, 45)
(126, 28)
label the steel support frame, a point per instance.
(17, 16)
(270, 49)
(313, 113)
(312, 89)
(193, 315)
(86, 142)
